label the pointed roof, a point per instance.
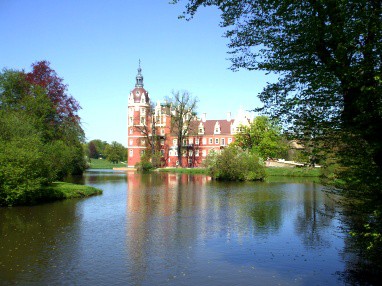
(138, 92)
(139, 77)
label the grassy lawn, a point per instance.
(183, 170)
(104, 164)
(292, 172)
(272, 171)
(61, 190)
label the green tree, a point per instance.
(263, 136)
(97, 148)
(39, 141)
(115, 152)
(23, 165)
(328, 57)
(327, 54)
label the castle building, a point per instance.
(149, 129)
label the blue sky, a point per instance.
(95, 46)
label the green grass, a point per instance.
(271, 171)
(104, 164)
(62, 190)
(292, 172)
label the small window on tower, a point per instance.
(137, 92)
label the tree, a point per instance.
(183, 112)
(115, 152)
(36, 149)
(92, 150)
(148, 129)
(24, 167)
(97, 148)
(328, 57)
(65, 105)
(263, 137)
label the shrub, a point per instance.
(23, 169)
(234, 164)
(144, 165)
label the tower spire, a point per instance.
(139, 77)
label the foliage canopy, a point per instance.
(40, 138)
(234, 164)
(328, 56)
(263, 136)
(183, 111)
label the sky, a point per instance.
(95, 46)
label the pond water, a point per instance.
(175, 229)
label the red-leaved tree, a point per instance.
(65, 105)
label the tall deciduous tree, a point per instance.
(48, 148)
(183, 112)
(263, 136)
(148, 129)
(97, 148)
(328, 55)
(65, 105)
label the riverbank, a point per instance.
(183, 170)
(104, 164)
(269, 171)
(62, 190)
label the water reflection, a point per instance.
(31, 240)
(171, 218)
(174, 229)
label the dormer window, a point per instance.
(201, 128)
(217, 128)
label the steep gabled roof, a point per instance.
(209, 126)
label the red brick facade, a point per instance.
(204, 135)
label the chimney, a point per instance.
(204, 117)
(228, 116)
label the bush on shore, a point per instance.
(234, 164)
